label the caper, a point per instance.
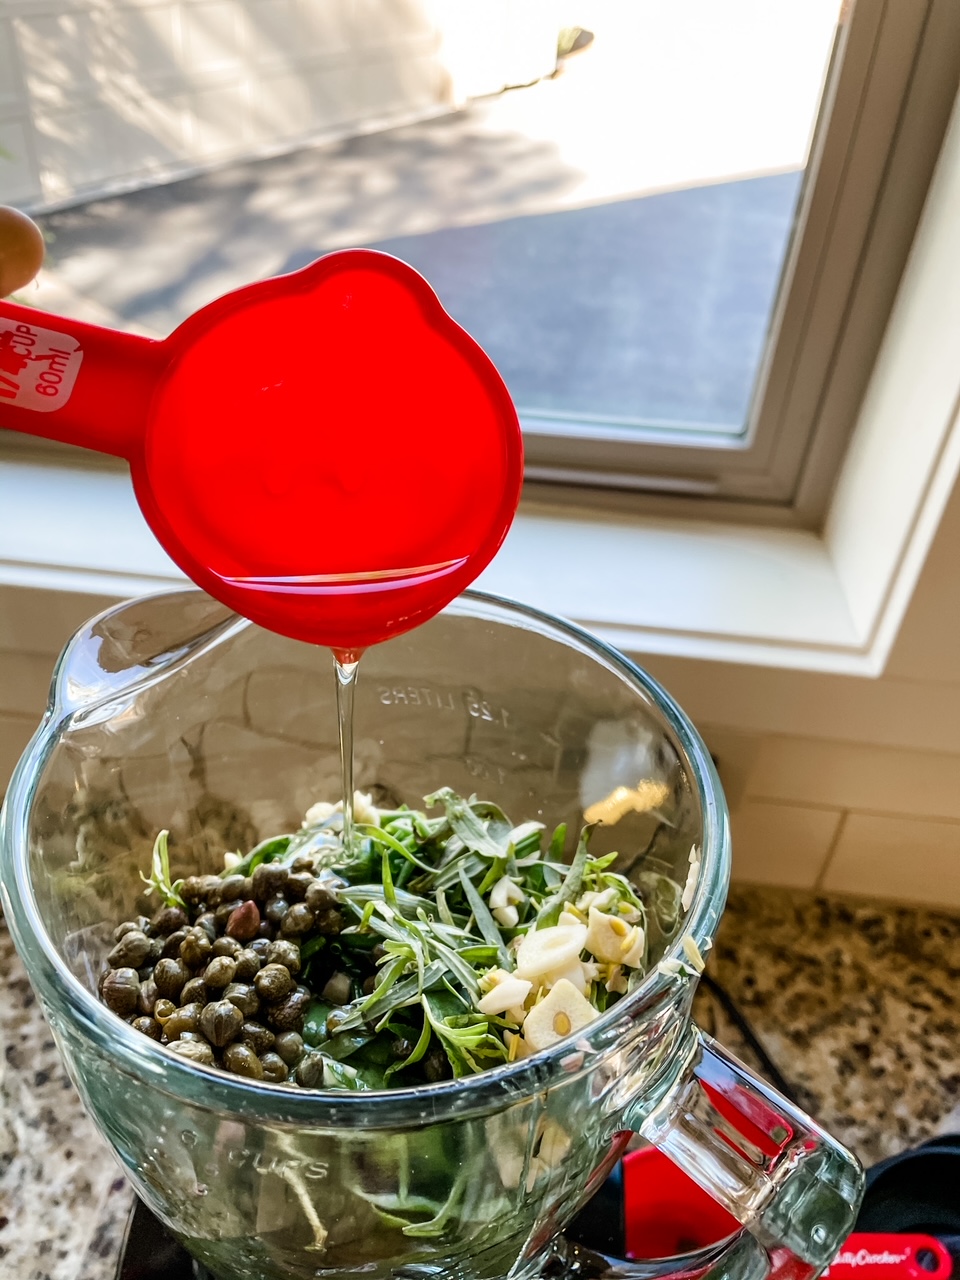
(338, 988)
(268, 879)
(148, 1027)
(289, 1046)
(304, 862)
(309, 1072)
(273, 982)
(225, 911)
(260, 946)
(244, 923)
(170, 975)
(194, 992)
(401, 1048)
(120, 991)
(194, 1050)
(219, 972)
(329, 921)
(186, 1018)
(287, 1015)
(141, 923)
(192, 889)
(275, 909)
(299, 919)
(286, 953)
(244, 997)
(298, 882)
(436, 1066)
(221, 1022)
(207, 921)
(130, 952)
(242, 1061)
(334, 1021)
(196, 948)
(163, 1010)
(319, 896)
(248, 965)
(170, 946)
(257, 1037)
(227, 947)
(231, 888)
(212, 890)
(168, 920)
(274, 1068)
(148, 997)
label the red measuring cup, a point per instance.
(327, 452)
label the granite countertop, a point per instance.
(856, 1002)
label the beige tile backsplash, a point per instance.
(812, 813)
(910, 859)
(782, 844)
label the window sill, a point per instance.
(693, 589)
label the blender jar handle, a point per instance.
(794, 1188)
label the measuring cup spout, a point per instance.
(74, 382)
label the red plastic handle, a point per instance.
(73, 382)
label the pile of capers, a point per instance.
(216, 980)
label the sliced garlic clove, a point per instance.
(569, 916)
(693, 875)
(490, 979)
(616, 979)
(692, 952)
(561, 1012)
(364, 809)
(517, 1047)
(607, 936)
(505, 894)
(575, 973)
(550, 948)
(508, 916)
(319, 812)
(602, 900)
(511, 991)
(634, 948)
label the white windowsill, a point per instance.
(720, 591)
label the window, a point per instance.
(681, 251)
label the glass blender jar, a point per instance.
(170, 712)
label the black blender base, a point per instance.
(151, 1253)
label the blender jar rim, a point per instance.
(486, 1090)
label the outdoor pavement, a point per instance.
(613, 237)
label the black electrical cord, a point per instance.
(732, 1010)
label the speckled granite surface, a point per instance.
(858, 1004)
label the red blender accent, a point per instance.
(665, 1214)
(327, 453)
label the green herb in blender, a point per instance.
(433, 947)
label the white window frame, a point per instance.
(880, 128)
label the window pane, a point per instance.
(642, 206)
